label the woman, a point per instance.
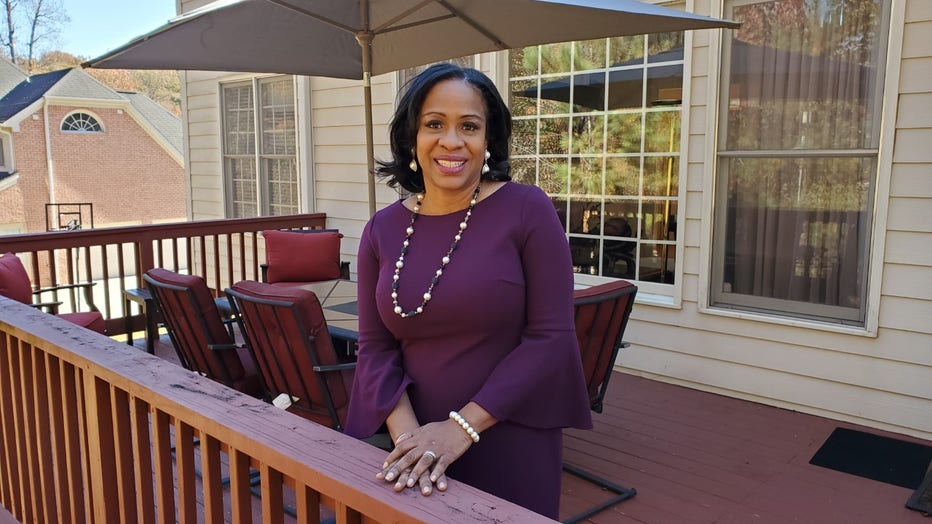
(467, 347)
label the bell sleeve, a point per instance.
(540, 383)
(380, 379)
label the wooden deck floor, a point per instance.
(697, 457)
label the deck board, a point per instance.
(698, 457)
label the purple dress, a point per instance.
(498, 331)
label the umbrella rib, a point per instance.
(475, 25)
(383, 31)
(315, 16)
(404, 14)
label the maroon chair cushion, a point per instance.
(601, 290)
(309, 256)
(206, 307)
(205, 301)
(92, 320)
(283, 334)
(601, 316)
(15, 284)
(14, 281)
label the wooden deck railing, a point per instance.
(92, 430)
(221, 251)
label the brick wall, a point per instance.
(128, 176)
(28, 197)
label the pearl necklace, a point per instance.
(443, 261)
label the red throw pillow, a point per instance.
(14, 281)
(311, 256)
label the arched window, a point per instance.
(81, 123)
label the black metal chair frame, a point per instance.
(621, 493)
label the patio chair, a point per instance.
(15, 284)
(201, 338)
(300, 256)
(601, 317)
(298, 366)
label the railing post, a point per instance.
(100, 448)
(145, 257)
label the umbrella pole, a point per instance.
(370, 160)
(364, 38)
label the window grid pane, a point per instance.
(81, 123)
(597, 126)
(241, 173)
(282, 185)
(239, 126)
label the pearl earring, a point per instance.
(413, 164)
(485, 165)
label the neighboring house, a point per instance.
(768, 189)
(67, 138)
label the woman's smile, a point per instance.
(450, 166)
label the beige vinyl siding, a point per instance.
(203, 130)
(339, 152)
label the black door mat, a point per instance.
(921, 500)
(884, 459)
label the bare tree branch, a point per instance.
(42, 21)
(7, 36)
(46, 20)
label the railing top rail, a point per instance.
(334, 464)
(113, 235)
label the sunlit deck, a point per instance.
(703, 458)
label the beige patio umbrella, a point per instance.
(358, 38)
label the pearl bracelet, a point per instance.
(467, 427)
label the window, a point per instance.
(260, 176)
(6, 154)
(797, 160)
(597, 126)
(79, 122)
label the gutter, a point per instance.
(48, 153)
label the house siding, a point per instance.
(880, 377)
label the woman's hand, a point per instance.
(423, 455)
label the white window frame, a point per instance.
(262, 203)
(892, 24)
(6, 153)
(96, 119)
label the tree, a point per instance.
(54, 61)
(162, 86)
(29, 27)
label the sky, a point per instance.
(98, 26)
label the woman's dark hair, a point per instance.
(405, 123)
